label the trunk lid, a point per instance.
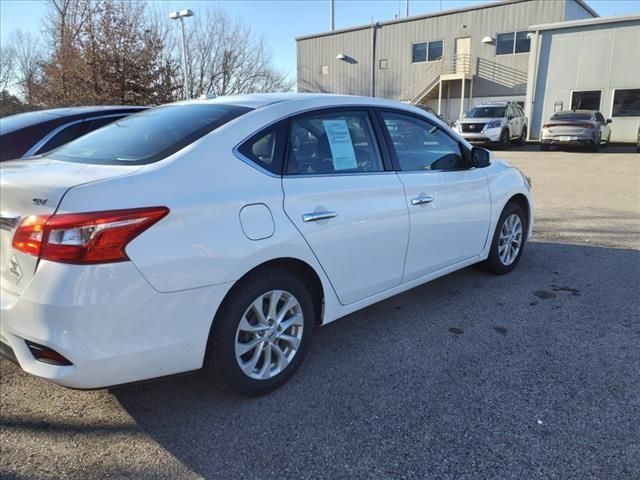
(36, 187)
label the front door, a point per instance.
(351, 212)
(463, 54)
(449, 203)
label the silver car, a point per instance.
(586, 128)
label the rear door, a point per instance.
(449, 203)
(351, 212)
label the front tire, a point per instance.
(508, 240)
(262, 332)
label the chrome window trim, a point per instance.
(34, 149)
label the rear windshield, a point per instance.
(148, 136)
(487, 112)
(571, 116)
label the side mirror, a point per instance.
(480, 157)
(609, 121)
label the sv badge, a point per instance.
(39, 201)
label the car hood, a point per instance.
(478, 120)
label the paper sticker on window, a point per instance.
(344, 156)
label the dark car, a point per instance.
(34, 133)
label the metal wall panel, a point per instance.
(498, 75)
(592, 57)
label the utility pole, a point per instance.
(406, 8)
(185, 71)
(332, 15)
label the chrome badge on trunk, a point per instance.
(14, 269)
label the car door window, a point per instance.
(63, 136)
(420, 145)
(600, 118)
(336, 142)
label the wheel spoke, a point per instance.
(265, 371)
(281, 358)
(249, 366)
(290, 303)
(257, 309)
(291, 340)
(295, 320)
(245, 326)
(274, 298)
(242, 348)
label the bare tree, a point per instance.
(226, 58)
(27, 52)
(7, 67)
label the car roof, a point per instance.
(19, 121)
(259, 100)
(569, 112)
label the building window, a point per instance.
(626, 103)
(586, 100)
(427, 51)
(512, 42)
(384, 64)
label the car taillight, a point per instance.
(83, 238)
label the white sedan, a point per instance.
(219, 232)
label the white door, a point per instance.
(350, 211)
(463, 52)
(449, 203)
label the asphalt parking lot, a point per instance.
(533, 375)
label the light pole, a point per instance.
(185, 73)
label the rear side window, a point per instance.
(263, 149)
(148, 136)
(336, 142)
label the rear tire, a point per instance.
(523, 137)
(262, 332)
(511, 232)
(504, 139)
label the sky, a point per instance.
(281, 21)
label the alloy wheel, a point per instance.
(269, 334)
(510, 241)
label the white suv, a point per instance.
(494, 122)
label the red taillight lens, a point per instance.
(95, 237)
(28, 236)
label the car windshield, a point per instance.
(487, 112)
(148, 136)
(571, 116)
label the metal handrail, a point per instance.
(446, 65)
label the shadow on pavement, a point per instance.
(535, 147)
(533, 374)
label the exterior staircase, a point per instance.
(447, 68)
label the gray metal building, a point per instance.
(590, 64)
(482, 51)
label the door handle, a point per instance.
(315, 216)
(422, 200)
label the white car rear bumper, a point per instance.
(109, 322)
